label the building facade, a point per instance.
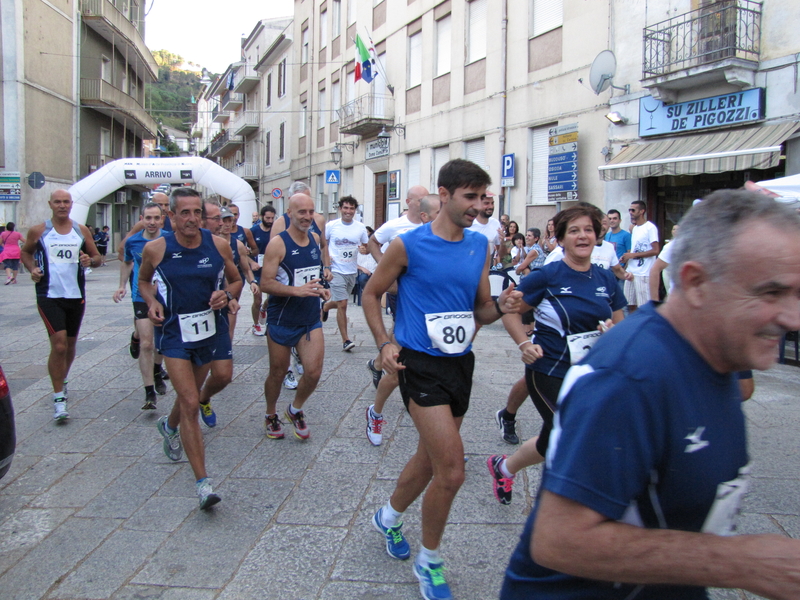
(74, 77)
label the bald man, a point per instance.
(291, 277)
(55, 253)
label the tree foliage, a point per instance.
(170, 98)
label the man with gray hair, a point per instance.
(648, 463)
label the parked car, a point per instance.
(8, 435)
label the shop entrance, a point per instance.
(381, 181)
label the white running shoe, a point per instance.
(289, 382)
(259, 330)
(297, 364)
(60, 413)
(374, 427)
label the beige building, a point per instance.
(73, 87)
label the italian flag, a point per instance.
(363, 61)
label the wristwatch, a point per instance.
(229, 295)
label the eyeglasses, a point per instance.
(633, 210)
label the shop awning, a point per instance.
(729, 150)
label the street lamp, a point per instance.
(336, 153)
(398, 129)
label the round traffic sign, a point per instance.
(36, 180)
(277, 193)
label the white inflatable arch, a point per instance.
(149, 171)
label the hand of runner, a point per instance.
(531, 353)
(312, 288)
(36, 275)
(233, 306)
(509, 300)
(389, 355)
(119, 295)
(85, 259)
(604, 326)
(218, 300)
(155, 313)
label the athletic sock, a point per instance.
(58, 397)
(375, 415)
(149, 390)
(156, 369)
(428, 557)
(294, 410)
(169, 429)
(504, 469)
(389, 516)
(508, 416)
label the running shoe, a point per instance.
(274, 427)
(508, 429)
(297, 362)
(432, 585)
(502, 484)
(205, 492)
(208, 415)
(289, 382)
(172, 441)
(347, 346)
(164, 374)
(8, 280)
(60, 413)
(149, 402)
(324, 315)
(396, 544)
(134, 347)
(259, 330)
(376, 373)
(158, 381)
(299, 423)
(374, 426)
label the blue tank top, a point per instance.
(134, 247)
(261, 237)
(186, 278)
(234, 242)
(300, 265)
(433, 293)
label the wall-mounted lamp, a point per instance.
(398, 129)
(336, 153)
(616, 118)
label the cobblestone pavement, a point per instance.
(93, 508)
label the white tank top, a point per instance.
(62, 253)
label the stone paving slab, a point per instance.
(93, 508)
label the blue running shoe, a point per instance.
(396, 544)
(432, 585)
(208, 415)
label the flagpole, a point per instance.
(381, 68)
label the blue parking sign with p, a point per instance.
(508, 165)
(332, 176)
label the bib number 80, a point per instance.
(451, 332)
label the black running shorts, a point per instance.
(59, 314)
(436, 380)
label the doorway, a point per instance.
(381, 185)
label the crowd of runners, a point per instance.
(626, 492)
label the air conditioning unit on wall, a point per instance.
(120, 197)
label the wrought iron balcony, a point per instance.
(231, 101)
(366, 115)
(730, 29)
(108, 99)
(225, 143)
(219, 116)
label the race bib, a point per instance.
(451, 332)
(260, 260)
(197, 326)
(304, 275)
(721, 519)
(580, 344)
(63, 252)
(348, 255)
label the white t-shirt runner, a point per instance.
(642, 238)
(343, 241)
(391, 229)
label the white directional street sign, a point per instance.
(562, 163)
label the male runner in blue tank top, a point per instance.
(55, 254)
(291, 277)
(189, 264)
(149, 360)
(262, 233)
(436, 321)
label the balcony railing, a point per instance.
(231, 101)
(101, 94)
(246, 170)
(96, 161)
(225, 143)
(245, 79)
(247, 123)
(366, 115)
(108, 21)
(219, 116)
(724, 30)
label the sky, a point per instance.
(207, 32)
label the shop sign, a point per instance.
(657, 118)
(377, 148)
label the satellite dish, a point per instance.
(604, 67)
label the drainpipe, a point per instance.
(504, 99)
